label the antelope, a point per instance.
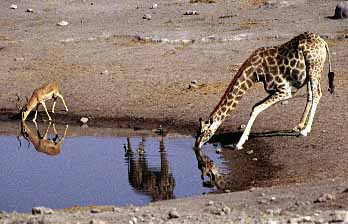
(39, 96)
(42, 144)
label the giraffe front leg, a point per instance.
(316, 90)
(258, 108)
(303, 121)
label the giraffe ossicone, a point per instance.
(283, 70)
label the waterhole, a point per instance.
(45, 168)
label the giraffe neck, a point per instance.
(243, 80)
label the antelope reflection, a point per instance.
(208, 168)
(157, 183)
(41, 143)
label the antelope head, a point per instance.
(21, 107)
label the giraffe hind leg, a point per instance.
(316, 90)
(304, 119)
(258, 108)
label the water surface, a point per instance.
(90, 170)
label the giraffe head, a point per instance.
(205, 132)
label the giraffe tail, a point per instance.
(331, 74)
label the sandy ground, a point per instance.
(112, 68)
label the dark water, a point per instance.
(99, 171)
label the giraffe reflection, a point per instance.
(208, 168)
(42, 143)
(157, 183)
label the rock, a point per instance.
(116, 209)
(325, 198)
(105, 72)
(29, 10)
(84, 120)
(226, 209)
(193, 86)
(41, 211)
(242, 127)
(173, 214)
(210, 203)
(62, 23)
(339, 216)
(285, 102)
(254, 159)
(147, 16)
(19, 59)
(273, 198)
(341, 11)
(269, 4)
(95, 221)
(13, 6)
(218, 150)
(249, 152)
(154, 6)
(190, 12)
(95, 210)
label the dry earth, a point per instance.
(121, 70)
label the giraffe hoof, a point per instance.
(304, 133)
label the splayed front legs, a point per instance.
(258, 108)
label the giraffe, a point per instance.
(283, 70)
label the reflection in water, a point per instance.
(209, 169)
(159, 184)
(43, 143)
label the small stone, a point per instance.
(285, 102)
(116, 209)
(62, 23)
(13, 6)
(273, 198)
(325, 198)
(194, 82)
(84, 120)
(249, 152)
(134, 220)
(29, 10)
(242, 127)
(41, 211)
(19, 59)
(226, 209)
(227, 191)
(95, 210)
(218, 150)
(264, 202)
(190, 12)
(339, 216)
(154, 6)
(193, 86)
(254, 159)
(105, 72)
(306, 218)
(210, 203)
(147, 16)
(95, 221)
(173, 214)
